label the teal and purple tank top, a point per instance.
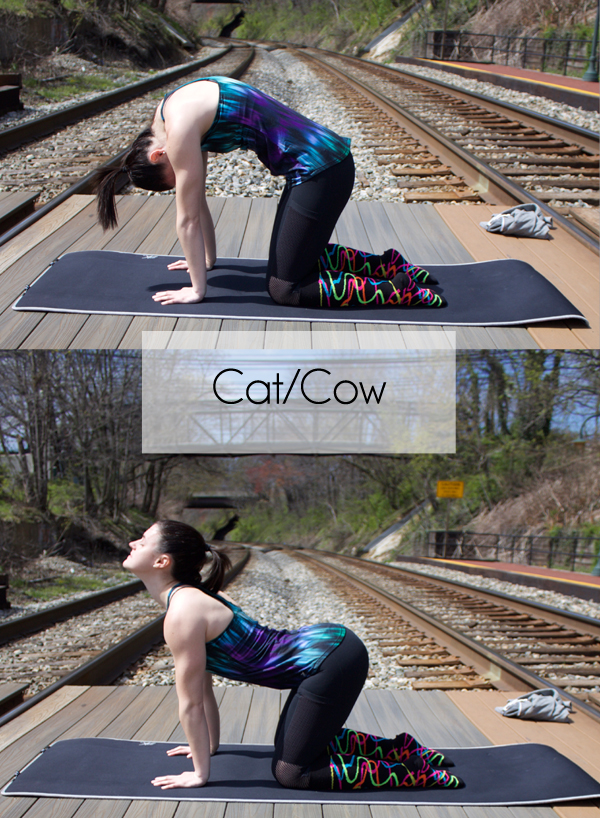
(249, 652)
(286, 142)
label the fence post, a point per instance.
(566, 62)
(512, 548)
(544, 47)
(507, 52)
(550, 547)
(574, 553)
(524, 57)
(530, 554)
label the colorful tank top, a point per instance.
(249, 652)
(286, 142)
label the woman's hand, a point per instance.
(182, 750)
(186, 295)
(174, 782)
(181, 264)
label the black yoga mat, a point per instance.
(484, 293)
(113, 768)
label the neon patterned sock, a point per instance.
(352, 742)
(394, 262)
(411, 294)
(360, 773)
(340, 259)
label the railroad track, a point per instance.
(447, 145)
(448, 635)
(83, 659)
(66, 153)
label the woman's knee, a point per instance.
(282, 292)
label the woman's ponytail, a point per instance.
(141, 171)
(220, 564)
(105, 182)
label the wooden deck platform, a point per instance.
(440, 233)
(249, 715)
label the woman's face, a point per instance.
(143, 551)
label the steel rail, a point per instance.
(585, 138)
(11, 138)
(489, 183)
(108, 665)
(502, 672)
(22, 625)
(85, 185)
(569, 619)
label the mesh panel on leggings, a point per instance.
(291, 776)
(282, 292)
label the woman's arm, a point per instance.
(211, 709)
(185, 635)
(193, 216)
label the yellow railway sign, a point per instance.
(450, 488)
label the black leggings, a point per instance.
(315, 712)
(306, 216)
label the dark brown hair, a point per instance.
(141, 171)
(190, 552)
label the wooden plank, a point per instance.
(512, 338)
(257, 235)
(241, 334)
(54, 808)
(139, 226)
(151, 809)
(101, 332)
(241, 810)
(209, 809)
(326, 335)
(45, 227)
(54, 330)
(423, 337)
(350, 229)
(95, 808)
(380, 336)
(393, 811)
(135, 716)
(362, 717)
(424, 235)
(230, 228)
(162, 723)
(116, 701)
(263, 716)
(288, 335)
(464, 733)
(346, 811)
(196, 334)
(133, 337)
(397, 705)
(15, 807)
(16, 327)
(234, 709)
(163, 237)
(297, 811)
(26, 722)
(381, 234)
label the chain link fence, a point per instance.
(556, 55)
(567, 552)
